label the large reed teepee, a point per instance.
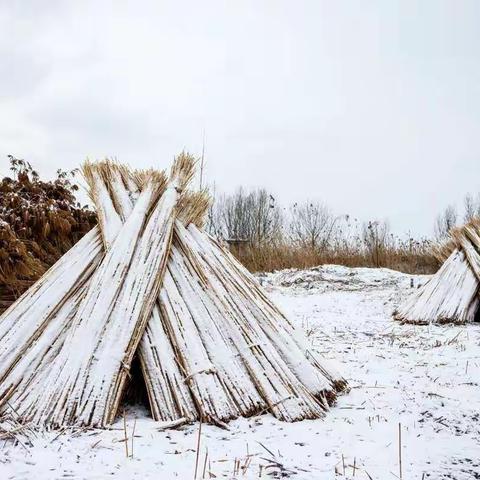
(453, 293)
(149, 283)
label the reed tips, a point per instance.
(183, 170)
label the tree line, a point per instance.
(309, 233)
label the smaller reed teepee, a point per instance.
(148, 283)
(452, 295)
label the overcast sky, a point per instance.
(370, 106)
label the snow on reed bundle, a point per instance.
(168, 394)
(217, 379)
(295, 387)
(83, 386)
(231, 366)
(210, 343)
(452, 295)
(34, 365)
(112, 320)
(24, 321)
(215, 349)
(468, 239)
(162, 367)
(53, 300)
(108, 177)
(28, 374)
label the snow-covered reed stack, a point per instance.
(453, 293)
(149, 282)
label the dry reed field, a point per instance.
(268, 236)
(416, 258)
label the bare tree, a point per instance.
(312, 225)
(376, 239)
(444, 222)
(254, 217)
(472, 207)
(266, 215)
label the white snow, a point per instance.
(423, 378)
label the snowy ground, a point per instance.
(422, 381)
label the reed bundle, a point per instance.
(452, 295)
(148, 281)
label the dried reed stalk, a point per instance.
(218, 381)
(32, 367)
(169, 396)
(468, 239)
(151, 258)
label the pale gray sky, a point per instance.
(370, 106)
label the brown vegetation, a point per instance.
(39, 222)
(415, 258)
(265, 237)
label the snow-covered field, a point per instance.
(422, 382)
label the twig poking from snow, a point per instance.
(198, 447)
(125, 431)
(133, 432)
(205, 463)
(265, 448)
(400, 450)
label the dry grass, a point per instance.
(270, 257)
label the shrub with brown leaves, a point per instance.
(39, 221)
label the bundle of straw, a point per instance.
(149, 281)
(452, 295)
